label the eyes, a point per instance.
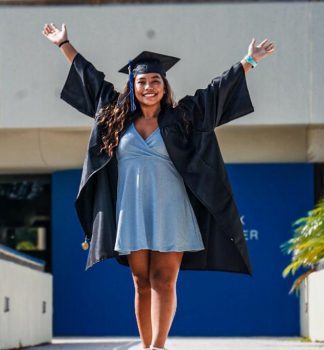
(142, 82)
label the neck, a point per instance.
(150, 112)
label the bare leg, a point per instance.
(164, 269)
(139, 263)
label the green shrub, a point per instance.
(307, 244)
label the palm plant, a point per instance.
(306, 245)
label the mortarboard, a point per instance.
(147, 62)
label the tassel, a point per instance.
(131, 87)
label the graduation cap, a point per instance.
(147, 62)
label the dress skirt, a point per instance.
(153, 210)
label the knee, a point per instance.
(162, 281)
(142, 284)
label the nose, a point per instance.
(148, 86)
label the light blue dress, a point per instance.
(153, 210)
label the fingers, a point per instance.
(267, 45)
(49, 29)
(269, 48)
(263, 42)
(53, 26)
(46, 29)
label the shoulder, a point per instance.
(181, 118)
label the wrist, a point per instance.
(254, 57)
(250, 59)
(63, 42)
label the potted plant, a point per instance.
(307, 249)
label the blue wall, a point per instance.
(100, 301)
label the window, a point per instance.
(319, 181)
(25, 207)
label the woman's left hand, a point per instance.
(264, 49)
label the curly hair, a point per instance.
(112, 117)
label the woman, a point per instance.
(171, 203)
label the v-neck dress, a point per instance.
(153, 210)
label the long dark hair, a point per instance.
(112, 117)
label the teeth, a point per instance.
(149, 95)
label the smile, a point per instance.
(149, 95)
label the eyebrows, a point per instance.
(155, 76)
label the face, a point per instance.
(149, 88)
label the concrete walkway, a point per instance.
(184, 343)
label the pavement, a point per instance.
(184, 343)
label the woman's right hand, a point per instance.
(55, 35)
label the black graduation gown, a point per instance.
(196, 156)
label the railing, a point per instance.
(19, 258)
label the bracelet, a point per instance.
(63, 42)
(250, 60)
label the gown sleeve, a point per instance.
(225, 99)
(85, 88)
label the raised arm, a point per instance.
(57, 36)
(258, 53)
(226, 97)
(85, 88)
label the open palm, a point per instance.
(259, 52)
(54, 34)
